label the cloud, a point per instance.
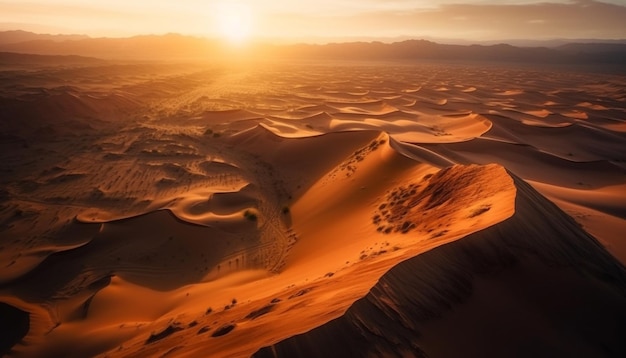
(580, 19)
(460, 19)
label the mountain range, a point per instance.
(180, 47)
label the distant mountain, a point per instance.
(179, 47)
(9, 58)
(539, 43)
(17, 36)
(448, 41)
(593, 48)
(427, 50)
(149, 47)
(417, 49)
(612, 53)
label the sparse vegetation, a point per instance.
(250, 215)
(439, 234)
(224, 330)
(86, 199)
(300, 293)
(391, 214)
(171, 329)
(483, 209)
(204, 329)
(261, 311)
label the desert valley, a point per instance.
(308, 207)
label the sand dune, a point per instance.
(499, 297)
(307, 210)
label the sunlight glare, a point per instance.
(234, 21)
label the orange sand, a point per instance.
(200, 210)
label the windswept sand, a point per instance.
(309, 210)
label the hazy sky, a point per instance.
(315, 19)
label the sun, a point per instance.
(234, 22)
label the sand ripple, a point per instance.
(265, 202)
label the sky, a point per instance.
(320, 20)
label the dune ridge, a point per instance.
(333, 273)
(484, 273)
(167, 235)
(194, 210)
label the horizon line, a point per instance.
(328, 40)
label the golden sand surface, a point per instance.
(308, 209)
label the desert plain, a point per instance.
(311, 208)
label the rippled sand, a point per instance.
(202, 210)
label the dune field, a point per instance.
(292, 209)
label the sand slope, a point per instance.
(311, 209)
(528, 285)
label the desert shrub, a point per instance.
(250, 215)
(223, 330)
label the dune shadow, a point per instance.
(14, 323)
